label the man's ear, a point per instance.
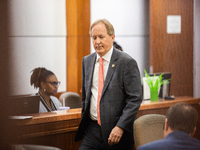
(166, 125)
(113, 37)
(192, 134)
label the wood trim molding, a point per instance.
(147, 104)
(78, 41)
(59, 131)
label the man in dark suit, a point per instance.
(120, 99)
(180, 126)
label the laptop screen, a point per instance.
(21, 105)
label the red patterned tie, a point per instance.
(100, 88)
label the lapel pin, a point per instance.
(113, 65)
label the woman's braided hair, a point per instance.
(39, 75)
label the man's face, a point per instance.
(102, 42)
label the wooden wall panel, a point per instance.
(78, 41)
(173, 52)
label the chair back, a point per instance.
(72, 99)
(148, 128)
(34, 147)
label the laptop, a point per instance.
(21, 105)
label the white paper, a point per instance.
(173, 24)
(21, 117)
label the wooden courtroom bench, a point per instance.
(59, 128)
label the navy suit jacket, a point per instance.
(177, 140)
(121, 95)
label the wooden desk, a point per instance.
(59, 128)
(56, 129)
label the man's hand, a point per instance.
(115, 135)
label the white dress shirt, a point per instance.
(94, 89)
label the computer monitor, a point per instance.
(165, 76)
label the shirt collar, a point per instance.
(107, 56)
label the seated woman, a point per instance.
(48, 84)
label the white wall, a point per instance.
(130, 19)
(196, 48)
(38, 39)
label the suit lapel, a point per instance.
(89, 72)
(111, 69)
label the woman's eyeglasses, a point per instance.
(54, 83)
